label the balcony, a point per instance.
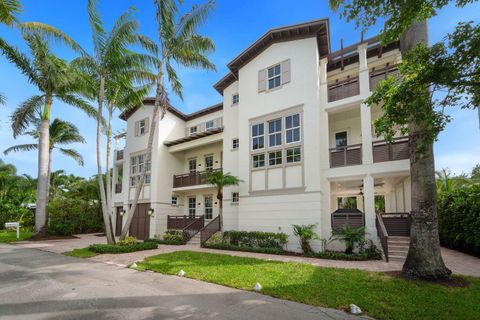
(190, 179)
(343, 89)
(381, 74)
(119, 155)
(118, 188)
(346, 156)
(398, 150)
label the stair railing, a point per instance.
(193, 228)
(209, 230)
(382, 234)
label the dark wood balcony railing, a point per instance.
(346, 156)
(118, 188)
(343, 89)
(377, 75)
(190, 179)
(397, 150)
(119, 155)
(347, 217)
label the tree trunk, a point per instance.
(424, 259)
(105, 210)
(43, 180)
(161, 102)
(49, 174)
(107, 160)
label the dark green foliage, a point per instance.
(172, 242)
(12, 213)
(175, 236)
(305, 234)
(360, 256)
(459, 219)
(255, 239)
(110, 248)
(353, 237)
(231, 247)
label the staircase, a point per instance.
(195, 240)
(398, 248)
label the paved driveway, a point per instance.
(37, 284)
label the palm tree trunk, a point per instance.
(50, 157)
(105, 211)
(107, 160)
(161, 102)
(424, 259)
(43, 179)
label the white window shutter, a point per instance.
(147, 124)
(137, 128)
(262, 80)
(286, 71)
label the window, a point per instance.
(209, 125)
(273, 77)
(192, 206)
(294, 155)
(137, 165)
(347, 202)
(258, 136)
(193, 130)
(192, 165)
(258, 161)
(292, 128)
(209, 163)
(141, 162)
(133, 165)
(274, 158)
(208, 204)
(235, 197)
(174, 200)
(235, 143)
(235, 99)
(275, 133)
(141, 127)
(341, 139)
(147, 178)
(133, 181)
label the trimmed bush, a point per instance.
(127, 241)
(227, 246)
(175, 236)
(459, 219)
(169, 242)
(109, 248)
(256, 239)
(69, 216)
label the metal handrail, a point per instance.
(207, 231)
(191, 232)
(382, 234)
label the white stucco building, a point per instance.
(292, 125)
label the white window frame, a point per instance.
(190, 168)
(258, 136)
(235, 143)
(258, 161)
(192, 209)
(209, 168)
(209, 125)
(274, 76)
(277, 134)
(278, 160)
(174, 200)
(235, 99)
(136, 166)
(192, 130)
(208, 210)
(235, 197)
(293, 128)
(335, 138)
(293, 156)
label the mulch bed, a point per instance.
(44, 238)
(454, 281)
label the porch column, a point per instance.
(369, 205)
(365, 113)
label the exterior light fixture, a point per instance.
(150, 211)
(122, 212)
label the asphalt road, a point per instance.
(36, 284)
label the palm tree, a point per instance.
(61, 133)
(219, 180)
(9, 9)
(112, 61)
(55, 79)
(179, 44)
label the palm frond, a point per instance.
(147, 44)
(99, 35)
(193, 19)
(21, 148)
(3, 100)
(64, 132)
(73, 154)
(76, 101)
(20, 60)
(26, 113)
(166, 10)
(9, 9)
(174, 80)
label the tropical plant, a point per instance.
(55, 79)
(407, 101)
(306, 234)
(220, 180)
(351, 236)
(110, 72)
(9, 10)
(179, 44)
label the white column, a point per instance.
(365, 113)
(369, 204)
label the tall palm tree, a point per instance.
(9, 9)
(112, 59)
(179, 44)
(219, 180)
(61, 133)
(55, 80)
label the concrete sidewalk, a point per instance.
(36, 284)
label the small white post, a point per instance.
(18, 231)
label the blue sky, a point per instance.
(233, 26)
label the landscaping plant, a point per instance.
(353, 237)
(306, 234)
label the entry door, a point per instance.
(140, 227)
(192, 206)
(118, 222)
(208, 204)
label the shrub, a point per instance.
(459, 219)
(231, 247)
(169, 242)
(174, 235)
(336, 255)
(13, 213)
(255, 239)
(127, 241)
(110, 248)
(305, 234)
(69, 216)
(353, 237)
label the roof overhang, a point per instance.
(193, 137)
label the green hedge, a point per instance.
(255, 239)
(231, 247)
(459, 219)
(169, 242)
(13, 213)
(336, 255)
(109, 248)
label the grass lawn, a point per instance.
(81, 253)
(7, 236)
(380, 295)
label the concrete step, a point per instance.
(396, 258)
(195, 240)
(398, 242)
(397, 253)
(397, 247)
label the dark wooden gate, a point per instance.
(140, 227)
(118, 222)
